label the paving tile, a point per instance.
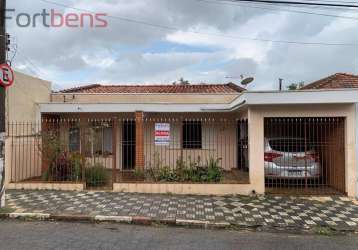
(282, 211)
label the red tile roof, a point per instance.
(229, 88)
(336, 81)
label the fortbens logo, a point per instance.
(55, 19)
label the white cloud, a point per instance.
(119, 53)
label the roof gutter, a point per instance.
(233, 108)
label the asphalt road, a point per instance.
(55, 235)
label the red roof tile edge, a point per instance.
(167, 89)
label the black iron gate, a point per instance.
(128, 144)
(242, 145)
(305, 155)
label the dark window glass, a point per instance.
(74, 139)
(290, 145)
(192, 135)
(101, 139)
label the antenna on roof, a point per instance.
(244, 80)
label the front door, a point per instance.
(128, 145)
(242, 145)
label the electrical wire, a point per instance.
(165, 27)
(301, 3)
(34, 69)
(277, 9)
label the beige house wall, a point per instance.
(219, 138)
(22, 98)
(143, 98)
(256, 116)
(218, 142)
(227, 150)
(23, 158)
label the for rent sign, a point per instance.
(162, 134)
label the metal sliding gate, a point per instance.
(305, 155)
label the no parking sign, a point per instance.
(6, 75)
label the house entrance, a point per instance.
(128, 144)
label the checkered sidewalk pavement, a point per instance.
(340, 213)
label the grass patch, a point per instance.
(325, 231)
(6, 210)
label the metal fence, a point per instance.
(305, 155)
(99, 152)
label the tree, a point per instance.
(295, 86)
(181, 81)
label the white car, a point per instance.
(291, 158)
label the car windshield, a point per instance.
(289, 145)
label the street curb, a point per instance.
(35, 216)
(118, 219)
(139, 220)
(71, 218)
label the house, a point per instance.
(336, 81)
(265, 141)
(23, 96)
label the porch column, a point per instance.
(83, 123)
(114, 148)
(256, 150)
(44, 129)
(139, 140)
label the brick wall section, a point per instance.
(139, 157)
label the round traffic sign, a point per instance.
(6, 75)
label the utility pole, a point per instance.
(280, 84)
(3, 52)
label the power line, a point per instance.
(223, 2)
(165, 27)
(332, 1)
(34, 69)
(300, 3)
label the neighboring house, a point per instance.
(24, 95)
(266, 141)
(336, 81)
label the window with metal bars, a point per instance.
(192, 135)
(74, 139)
(101, 143)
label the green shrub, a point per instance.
(45, 176)
(76, 161)
(193, 171)
(66, 167)
(96, 175)
(215, 172)
(138, 173)
(167, 174)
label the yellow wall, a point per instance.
(23, 96)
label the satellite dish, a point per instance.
(247, 81)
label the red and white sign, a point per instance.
(162, 134)
(6, 75)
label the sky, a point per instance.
(203, 41)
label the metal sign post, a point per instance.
(2, 170)
(3, 52)
(6, 80)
